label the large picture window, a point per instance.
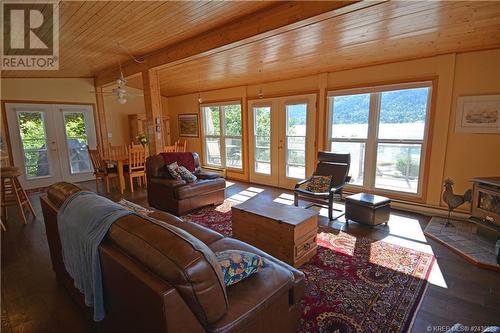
(222, 135)
(383, 128)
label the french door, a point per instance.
(282, 136)
(49, 142)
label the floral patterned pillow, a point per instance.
(238, 265)
(319, 184)
(173, 170)
(186, 174)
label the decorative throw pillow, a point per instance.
(238, 265)
(173, 170)
(134, 207)
(319, 184)
(186, 174)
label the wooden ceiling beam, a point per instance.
(289, 14)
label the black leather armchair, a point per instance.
(329, 164)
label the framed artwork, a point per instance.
(478, 114)
(188, 125)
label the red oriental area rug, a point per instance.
(352, 284)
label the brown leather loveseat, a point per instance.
(176, 196)
(159, 276)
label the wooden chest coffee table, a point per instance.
(286, 232)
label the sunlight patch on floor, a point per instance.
(249, 194)
(418, 246)
(234, 200)
(228, 183)
(238, 198)
(404, 231)
(436, 276)
(284, 198)
(338, 211)
(244, 195)
(407, 232)
(255, 189)
(406, 227)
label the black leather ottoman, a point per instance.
(367, 209)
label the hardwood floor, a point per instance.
(32, 301)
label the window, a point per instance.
(350, 130)
(76, 136)
(34, 144)
(383, 128)
(262, 128)
(222, 135)
(296, 126)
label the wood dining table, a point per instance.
(120, 162)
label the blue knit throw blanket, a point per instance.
(83, 221)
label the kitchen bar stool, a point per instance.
(13, 193)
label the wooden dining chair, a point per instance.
(180, 145)
(101, 169)
(136, 165)
(139, 146)
(120, 150)
(170, 149)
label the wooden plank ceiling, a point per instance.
(89, 30)
(387, 32)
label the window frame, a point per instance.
(372, 141)
(222, 134)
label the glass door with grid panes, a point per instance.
(49, 142)
(76, 131)
(263, 142)
(282, 139)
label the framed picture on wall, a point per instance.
(478, 114)
(188, 125)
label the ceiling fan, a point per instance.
(120, 91)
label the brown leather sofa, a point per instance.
(159, 278)
(178, 197)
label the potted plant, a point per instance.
(144, 141)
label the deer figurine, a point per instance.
(454, 200)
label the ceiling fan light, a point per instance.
(122, 100)
(121, 82)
